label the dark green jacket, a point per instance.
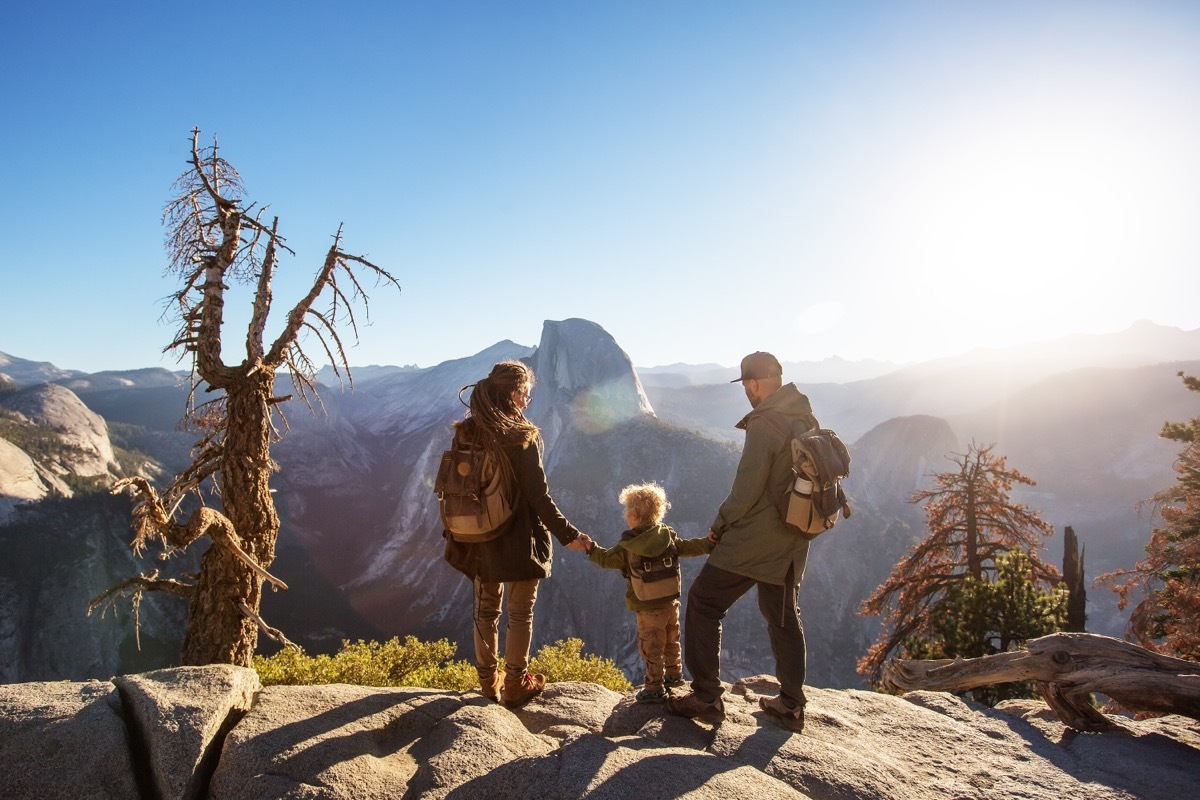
(752, 539)
(523, 551)
(650, 541)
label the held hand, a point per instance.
(712, 537)
(582, 543)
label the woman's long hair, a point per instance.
(492, 415)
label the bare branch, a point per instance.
(262, 297)
(274, 633)
(133, 588)
(146, 582)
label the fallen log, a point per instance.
(1067, 668)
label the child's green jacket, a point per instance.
(650, 541)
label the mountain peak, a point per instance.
(584, 377)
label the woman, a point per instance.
(515, 560)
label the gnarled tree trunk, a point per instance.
(1067, 668)
(218, 630)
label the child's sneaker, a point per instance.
(646, 695)
(671, 681)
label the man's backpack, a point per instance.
(476, 492)
(813, 500)
(655, 578)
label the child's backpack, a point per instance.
(814, 500)
(476, 492)
(655, 578)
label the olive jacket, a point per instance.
(752, 538)
(523, 550)
(650, 540)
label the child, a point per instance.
(647, 556)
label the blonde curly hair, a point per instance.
(645, 502)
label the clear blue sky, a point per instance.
(872, 180)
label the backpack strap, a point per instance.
(780, 423)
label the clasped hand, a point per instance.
(584, 542)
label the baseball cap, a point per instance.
(757, 366)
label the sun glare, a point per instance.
(1047, 211)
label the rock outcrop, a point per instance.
(83, 433)
(20, 481)
(584, 380)
(214, 732)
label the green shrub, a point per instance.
(427, 665)
(392, 663)
(564, 661)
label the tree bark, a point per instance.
(1067, 668)
(219, 632)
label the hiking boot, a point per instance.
(648, 695)
(689, 705)
(491, 689)
(671, 681)
(519, 691)
(791, 718)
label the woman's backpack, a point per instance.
(476, 492)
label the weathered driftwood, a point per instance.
(1067, 668)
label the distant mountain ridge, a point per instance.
(829, 370)
(23, 372)
(361, 545)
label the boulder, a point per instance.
(64, 740)
(182, 715)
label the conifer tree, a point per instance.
(972, 523)
(1164, 587)
(216, 239)
(983, 617)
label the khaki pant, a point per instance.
(488, 597)
(658, 642)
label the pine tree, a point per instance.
(1164, 587)
(994, 615)
(972, 523)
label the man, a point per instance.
(753, 548)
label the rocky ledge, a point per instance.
(215, 732)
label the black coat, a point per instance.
(523, 551)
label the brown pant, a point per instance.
(658, 642)
(488, 597)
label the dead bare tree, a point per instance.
(215, 239)
(1067, 668)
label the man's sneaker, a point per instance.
(491, 689)
(689, 705)
(646, 695)
(519, 691)
(777, 709)
(673, 680)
